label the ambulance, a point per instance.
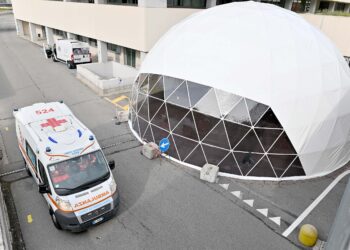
(68, 165)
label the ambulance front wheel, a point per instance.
(54, 220)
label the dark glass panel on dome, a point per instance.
(250, 143)
(256, 110)
(229, 165)
(226, 101)
(143, 111)
(196, 92)
(214, 155)
(143, 125)
(157, 88)
(267, 136)
(239, 113)
(208, 104)
(235, 132)
(172, 149)
(184, 146)
(148, 136)
(295, 169)
(187, 128)
(170, 84)
(247, 160)
(175, 114)
(161, 119)
(180, 96)
(204, 123)
(282, 145)
(268, 120)
(196, 157)
(140, 100)
(154, 106)
(142, 77)
(281, 162)
(159, 134)
(153, 79)
(144, 87)
(218, 137)
(135, 126)
(263, 168)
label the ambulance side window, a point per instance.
(42, 173)
(31, 154)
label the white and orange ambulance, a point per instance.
(68, 165)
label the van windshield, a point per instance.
(79, 173)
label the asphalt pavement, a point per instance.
(163, 205)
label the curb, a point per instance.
(5, 235)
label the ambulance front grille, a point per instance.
(95, 213)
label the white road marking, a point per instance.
(238, 194)
(263, 211)
(277, 220)
(249, 202)
(225, 186)
(306, 212)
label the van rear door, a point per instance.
(81, 55)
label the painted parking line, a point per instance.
(118, 99)
(29, 218)
(121, 102)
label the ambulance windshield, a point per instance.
(79, 173)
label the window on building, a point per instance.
(130, 57)
(324, 5)
(93, 42)
(113, 47)
(123, 2)
(60, 33)
(200, 4)
(339, 6)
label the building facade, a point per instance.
(125, 30)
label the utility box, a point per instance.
(150, 150)
(209, 173)
(122, 116)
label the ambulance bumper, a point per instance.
(69, 221)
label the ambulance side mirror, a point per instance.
(111, 164)
(43, 188)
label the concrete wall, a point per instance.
(335, 27)
(132, 27)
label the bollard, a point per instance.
(308, 235)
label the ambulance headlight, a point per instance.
(113, 186)
(64, 205)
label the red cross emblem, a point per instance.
(52, 122)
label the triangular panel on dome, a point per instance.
(159, 134)
(196, 157)
(143, 111)
(226, 101)
(282, 145)
(153, 79)
(157, 88)
(267, 136)
(247, 160)
(154, 106)
(268, 120)
(235, 132)
(148, 136)
(204, 123)
(256, 110)
(142, 77)
(172, 149)
(196, 92)
(281, 162)
(140, 100)
(180, 96)
(218, 137)
(214, 155)
(187, 127)
(262, 169)
(239, 114)
(170, 84)
(295, 169)
(229, 165)
(175, 114)
(143, 88)
(184, 146)
(161, 119)
(135, 126)
(142, 125)
(250, 143)
(208, 105)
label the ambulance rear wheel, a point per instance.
(54, 220)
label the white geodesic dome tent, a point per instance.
(274, 57)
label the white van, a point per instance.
(68, 165)
(70, 52)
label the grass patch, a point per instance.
(333, 13)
